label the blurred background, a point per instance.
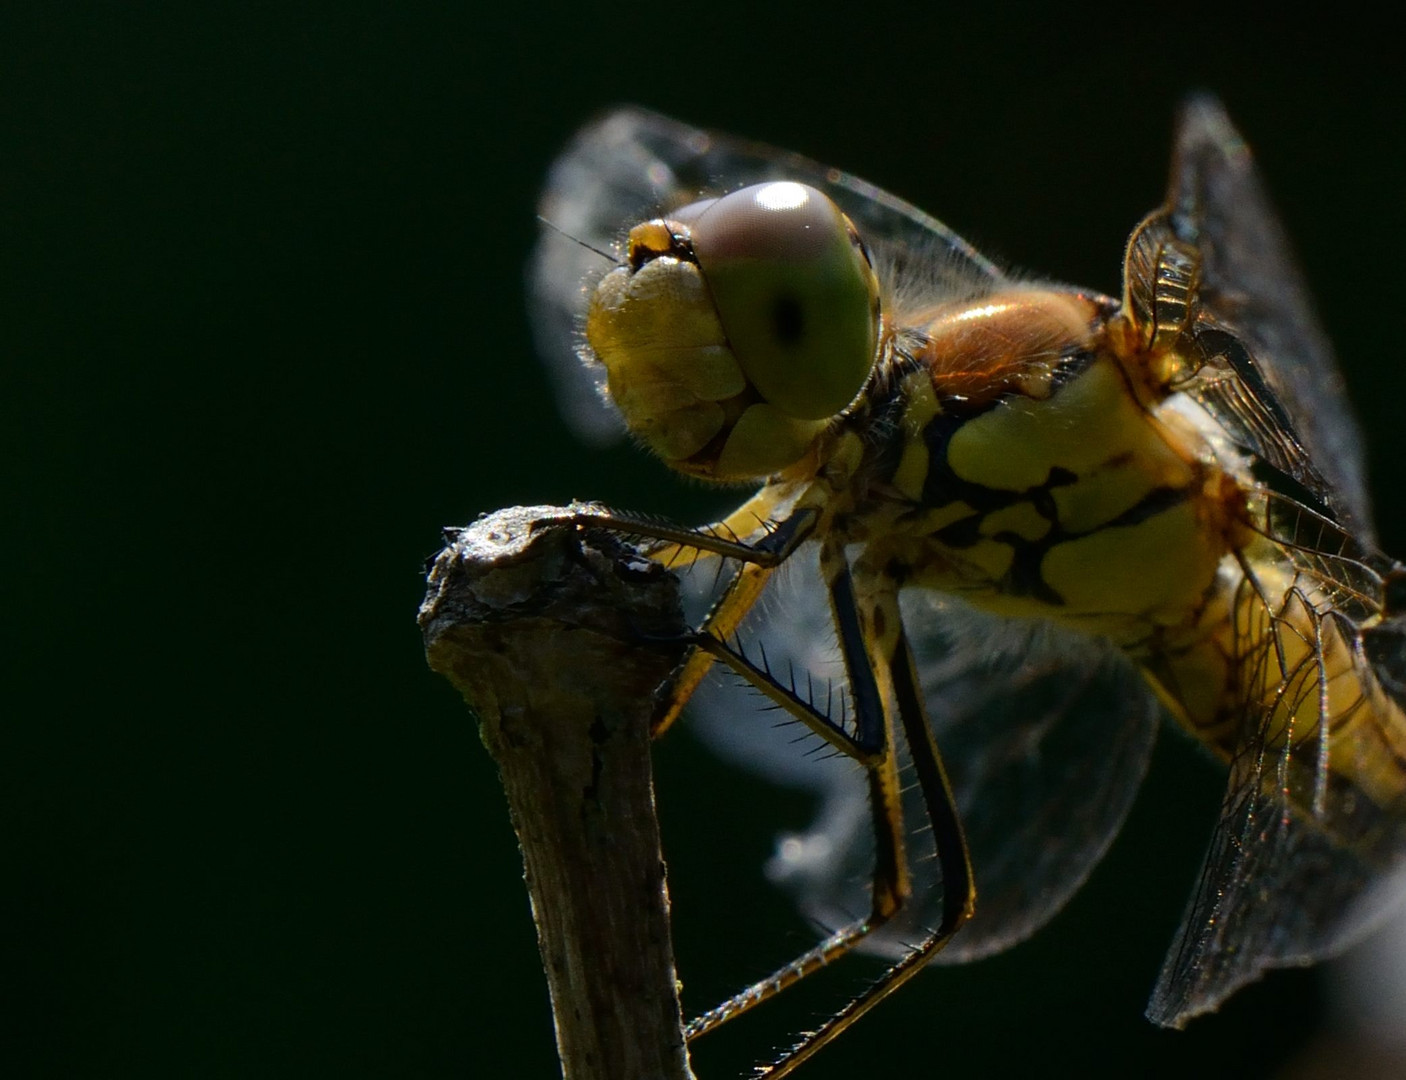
(263, 332)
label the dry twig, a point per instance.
(545, 631)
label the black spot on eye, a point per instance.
(787, 320)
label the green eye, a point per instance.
(794, 292)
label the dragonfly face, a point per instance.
(737, 328)
(1039, 517)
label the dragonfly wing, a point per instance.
(1276, 890)
(1302, 862)
(632, 165)
(601, 183)
(1251, 286)
(1045, 737)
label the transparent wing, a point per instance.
(1045, 737)
(1302, 862)
(1301, 857)
(631, 165)
(1286, 391)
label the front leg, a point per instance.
(680, 547)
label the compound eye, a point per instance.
(795, 294)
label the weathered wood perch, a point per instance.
(544, 629)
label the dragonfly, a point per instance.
(1019, 524)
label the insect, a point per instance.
(1030, 520)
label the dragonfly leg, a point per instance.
(882, 679)
(721, 622)
(683, 546)
(959, 893)
(871, 744)
(779, 540)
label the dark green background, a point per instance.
(262, 329)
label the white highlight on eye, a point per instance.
(782, 195)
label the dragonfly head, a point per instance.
(738, 328)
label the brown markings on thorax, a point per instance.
(1008, 342)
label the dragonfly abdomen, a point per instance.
(1270, 652)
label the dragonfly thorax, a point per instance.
(1023, 471)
